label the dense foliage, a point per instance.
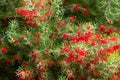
(59, 40)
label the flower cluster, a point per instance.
(3, 50)
(91, 48)
(33, 16)
(23, 74)
(84, 47)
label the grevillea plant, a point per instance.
(46, 45)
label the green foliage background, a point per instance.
(11, 26)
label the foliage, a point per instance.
(61, 40)
(101, 11)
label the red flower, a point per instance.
(102, 28)
(23, 74)
(94, 60)
(49, 12)
(113, 39)
(110, 30)
(98, 36)
(23, 12)
(87, 38)
(66, 48)
(76, 7)
(34, 13)
(50, 62)
(93, 43)
(104, 41)
(32, 23)
(28, 14)
(81, 38)
(3, 50)
(72, 18)
(80, 51)
(15, 40)
(74, 39)
(47, 53)
(109, 50)
(101, 51)
(67, 60)
(116, 47)
(40, 5)
(71, 55)
(79, 33)
(80, 59)
(86, 12)
(88, 64)
(65, 35)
